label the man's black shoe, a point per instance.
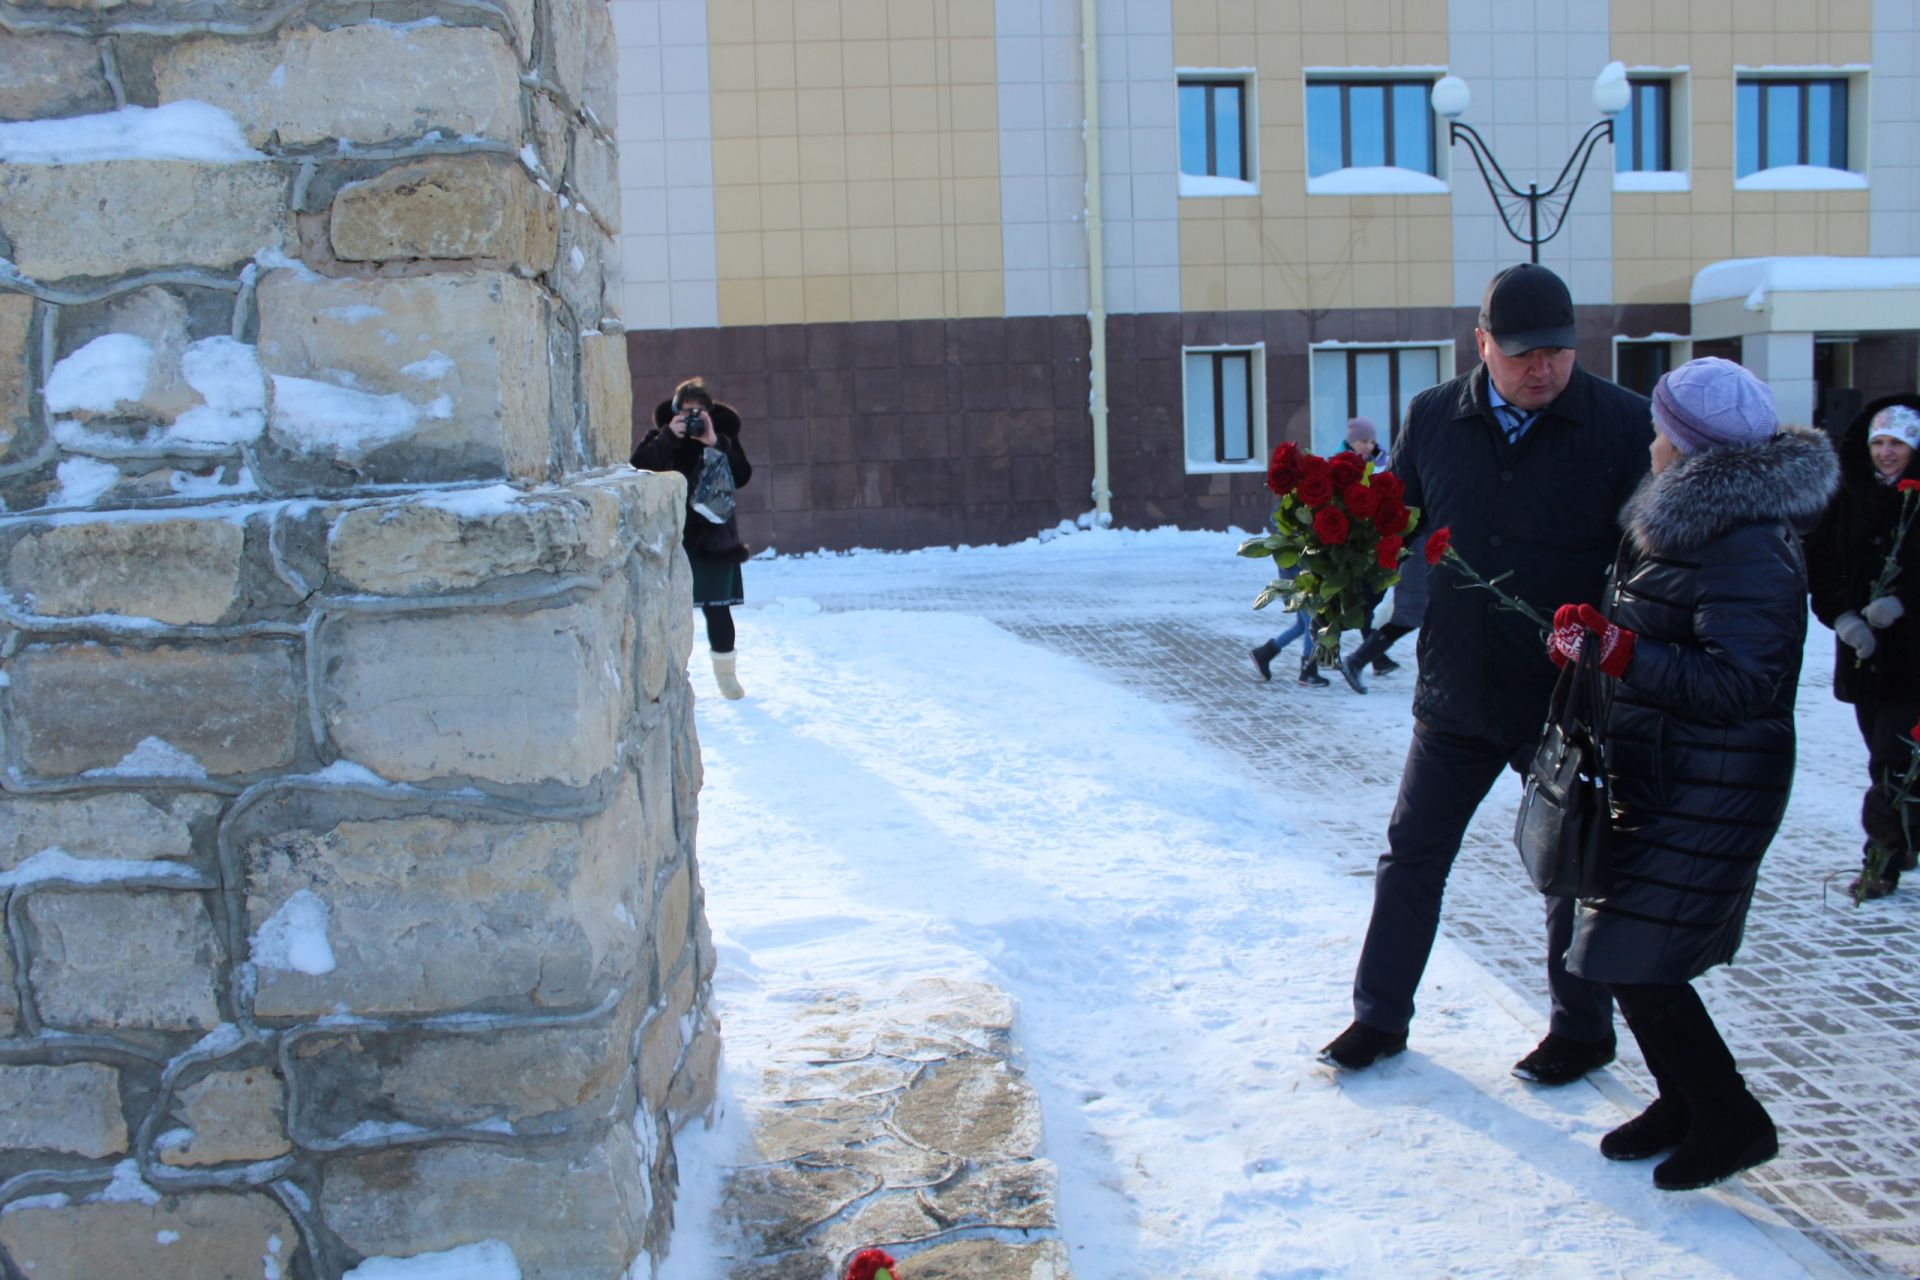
(1360, 1046)
(1562, 1059)
(1351, 674)
(1383, 664)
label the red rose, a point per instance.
(1316, 481)
(1346, 468)
(1361, 500)
(1387, 484)
(1391, 517)
(1908, 486)
(1388, 552)
(1437, 544)
(1330, 526)
(1283, 472)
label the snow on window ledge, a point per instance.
(1652, 180)
(1375, 180)
(1199, 467)
(1802, 177)
(1206, 184)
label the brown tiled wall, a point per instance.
(892, 434)
(937, 432)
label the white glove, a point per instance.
(1855, 634)
(1883, 612)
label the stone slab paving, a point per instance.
(1823, 1006)
(899, 1120)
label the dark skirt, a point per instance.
(716, 582)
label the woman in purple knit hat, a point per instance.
(1700, 651)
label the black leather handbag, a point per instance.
(1565, 828)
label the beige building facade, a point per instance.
(889, 231)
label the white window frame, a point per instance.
(1353, 182)
(1679, 348)
(1679, 134)
(1196, 186)
(1446, 366)
(1257, 405)
(1859, 127)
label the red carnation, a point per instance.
(1346, 468)
(867, 1264)
(1908, 486)
(1361, 501)
(1330, 526)
(1283, 472)
(1914, 732)
(1392, 516)
(1387, 484)
(1388, 552)
(1437, 544)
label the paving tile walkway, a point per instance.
(1822, 1007)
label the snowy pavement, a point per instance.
(1048, 767)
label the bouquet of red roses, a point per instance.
(1338, 536)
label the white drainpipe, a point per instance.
(1096, 260)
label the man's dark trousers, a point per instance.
(1446, 778)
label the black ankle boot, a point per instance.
(1661, 1127)
(1721, 1141)
(1310, 675)
(1263, 657)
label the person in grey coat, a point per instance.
(1700, 651)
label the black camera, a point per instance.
(695, 421)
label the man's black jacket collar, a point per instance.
(1575, 402)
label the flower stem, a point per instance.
(1507, 600)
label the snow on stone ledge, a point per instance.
(185, 130)
(1375, 180)
(55, 864)
(1755, 278)
(1802, 177)
(1649, 180)
(347, 422)
(1199, 184)
(295, 937)
(486, 1260)
(151, 758)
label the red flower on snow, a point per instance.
(1437, 544)
(1389, 552)
(1330, 526)
(869, 1264)
(1347, 468)
(1361, 501)
(1283, 471)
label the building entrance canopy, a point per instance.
(1742, 297)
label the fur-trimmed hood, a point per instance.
(1700, 496)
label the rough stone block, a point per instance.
(124, 960)
(9, 999)
(589, 1217)
(474, 206)
(536, 1080)
(73, 1108)
(201, 1235)
(973, 1108)
(50, 75)
(407, 82)
(594, 178)
(177, 571)
(506, 697)
(692, 1092)
(178, 710)
(579, 274)
(993, 1260)
(607, 388)
(412, 547)
(16, 366)
(108, 217)
(670, 918)
(229, 1117)
(125, 826)
(434, 378)
(429, 914)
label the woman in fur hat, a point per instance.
(1700, 648)
(701, 440)
(1876, 664)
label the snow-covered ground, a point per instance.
(911, 788)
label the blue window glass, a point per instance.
(1212, 133)
(1193, 128)
(1641, 138)
(1782, 125)
(1323, 129)
(1369, 123)
(1412, 127)
(1366, 125)
(1229, 153)
(1790, 122)
(1746, 111)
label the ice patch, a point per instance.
(294, 938)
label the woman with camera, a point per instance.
(1700, 654)
(701, 440)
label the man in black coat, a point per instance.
(1528, 460)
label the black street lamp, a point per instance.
(1611, 94)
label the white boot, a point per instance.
(723, 676)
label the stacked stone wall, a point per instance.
(347, 817)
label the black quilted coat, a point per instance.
(661, 450)
(1712, 580)
(1844, 556)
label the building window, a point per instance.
(1370, 382)
(1643, 133)
(1225, 408)
(1638, 363)
(1782, 123)
(1219, 148)
(1369, 124)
